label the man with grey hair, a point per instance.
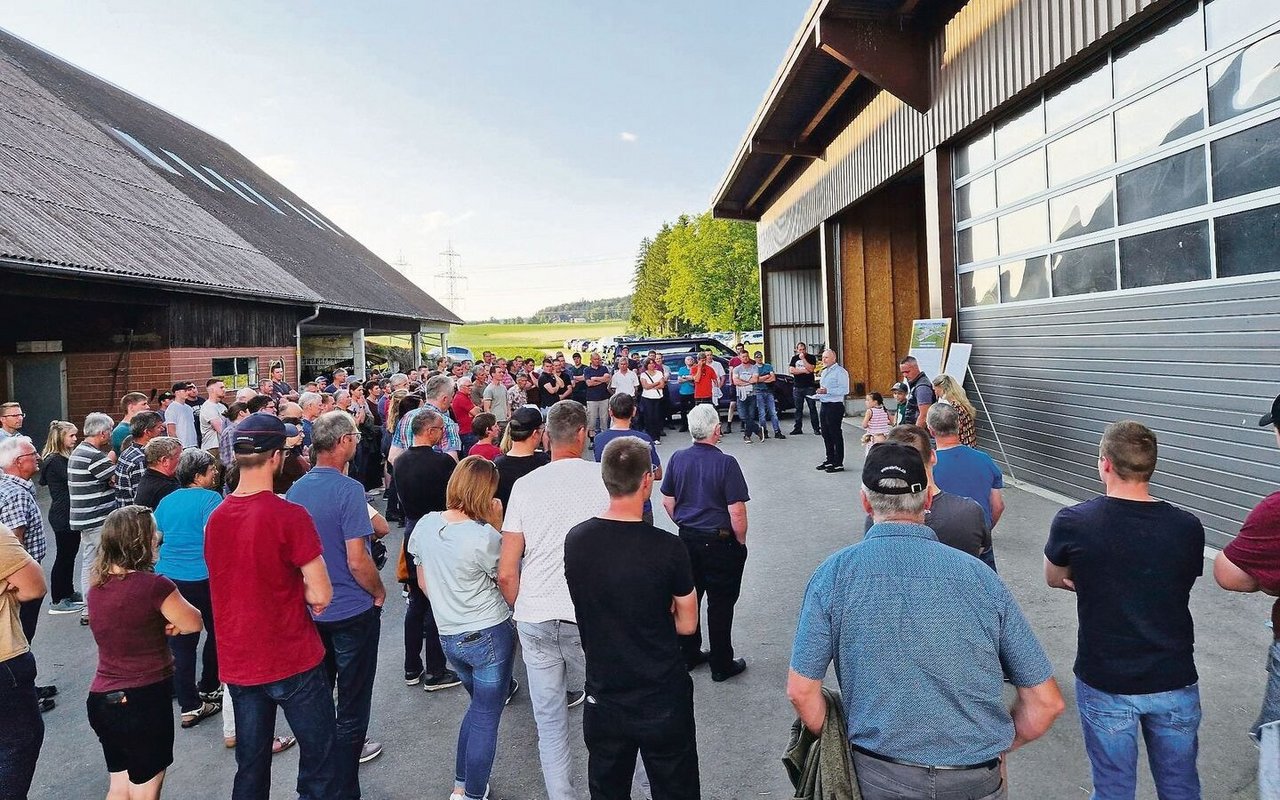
(542, 508)
(158, 480)
(19, 463)
(438, 392)
(705, 494)
(311, 405)
(866, 607)
(833, 387)
(90, 482)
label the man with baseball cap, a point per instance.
(914, 625)
(179, 418)
(1251, 563)
(266, 570)
(526, 428)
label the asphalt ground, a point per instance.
(797, 518)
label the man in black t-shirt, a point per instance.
(625, 577)
(553, 385)
(801, 368)
(524, 456)
(1131, 561)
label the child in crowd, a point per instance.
(900, 398)
(486, 427)
(875, 422)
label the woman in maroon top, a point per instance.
(133, 612)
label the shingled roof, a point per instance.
(94, 179)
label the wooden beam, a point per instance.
(777, 147)
(830, 104)
(768, 181)
(894, 59)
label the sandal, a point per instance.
(190, 719)
(281, 743)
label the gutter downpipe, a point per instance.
(297, 341)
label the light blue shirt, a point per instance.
(181, 517)
(835, 379)
(460, 562)
(921, 635)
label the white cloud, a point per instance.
(440, 220)
(628, 136)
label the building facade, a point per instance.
(1091, 190)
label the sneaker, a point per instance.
(412, 678)
(46, 704)
(214, 696)
(76, 597)
(456, 795)
(835, 468)
(515, 687)
(778, 435)
(445, 680)
(823, 465)
(370, 751)
(575, 698)
(45, 692)
(66, 606)
(795, 432)
(764, 435)
(84, 618)
(747, 438)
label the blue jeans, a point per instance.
(801, 398)
(308, 706)
(747, 413)
(350, 661)
(767, 411)
(483, 661)
(1271, 698)
(1169, 722)
(21, 727)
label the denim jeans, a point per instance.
(801, 398)
(555, 664)
(1169, 723)
(21, 727)
(1271, 698)
(747, 413)
(307, 702)
(184, 650)
(350, 661)
(767, 411)
(483, 660)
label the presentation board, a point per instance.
(958, 360)
(929, 340)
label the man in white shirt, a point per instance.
(625, 380)
(211, 412)
(179, 418)
(544, 506)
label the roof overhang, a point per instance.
(844, 53)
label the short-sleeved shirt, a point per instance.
(226, 443)
(181, 518)
(461, 408)
(118, 434)
(920, 394)
(1133, 564)
(460, 562)
(704, 481)
(604, 437)
(255, 547)
(702, 385)
(89, 473)
(422, 477)
(745, 372)
(183, 420)
(764, 387)
(486, 450)
(18, 509)
(625, 382)
(338, 508)
(686, 387)
(210, 413)
(935, 699)
(957, 521)
(153, 487)
(125, 618)
(12, 641)
(512, 468)
(599, 391)
(622, 577)
(496, 394)
(550, 387)
(572, 371)
(805, 380)
(543, 506)
(1256, 549)
(451, 442)
(969, 473)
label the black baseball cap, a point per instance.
(1274, 417)
(900, 387)
(894, 460)
(526, 419)
(181, 385)
(262, 433)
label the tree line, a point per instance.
(609, 308)
(696, 274)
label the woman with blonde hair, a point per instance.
(951, 391)
(457, 556)
(58, 445)
(132, 612)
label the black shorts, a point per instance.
(137, 734)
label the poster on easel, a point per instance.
(929, 341)
(958, 360)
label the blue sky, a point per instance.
(543, 139)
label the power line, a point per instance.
(455, 281)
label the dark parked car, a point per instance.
(673, 352)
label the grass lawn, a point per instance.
(529, 340)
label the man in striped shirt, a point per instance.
(90, 480)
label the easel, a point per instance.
(990, 421)
(960, 352)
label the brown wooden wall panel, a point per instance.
(853, 291)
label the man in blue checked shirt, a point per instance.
(833, 386)
(922, 636)
(439, 396)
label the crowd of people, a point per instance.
(524, 490)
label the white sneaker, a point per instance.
(463, 796)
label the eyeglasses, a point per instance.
(17, 414)
(32, 454)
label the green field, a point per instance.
(529, 340)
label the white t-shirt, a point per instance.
(209, 413)
(544, 505)
(717, 387)
(184, 423)
(625, 382)
(661, 379)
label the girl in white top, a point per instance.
(876, 421)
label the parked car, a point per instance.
(455, 353)
(673, 352)
(751, 338)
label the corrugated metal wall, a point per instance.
(794, 301)
(989, 52)
(1197, 365)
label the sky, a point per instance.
(542, 141)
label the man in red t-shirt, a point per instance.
(1251, 563)
(704, 378)
(265, 572)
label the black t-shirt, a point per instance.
(958, 522)
(1133, 564)
(806, 381)
(422, 475)
(622, 577)
(580, 387)
(550, 386)
(152, 488)
(513, 468)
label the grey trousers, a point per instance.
(880, 780)
(89, 540)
